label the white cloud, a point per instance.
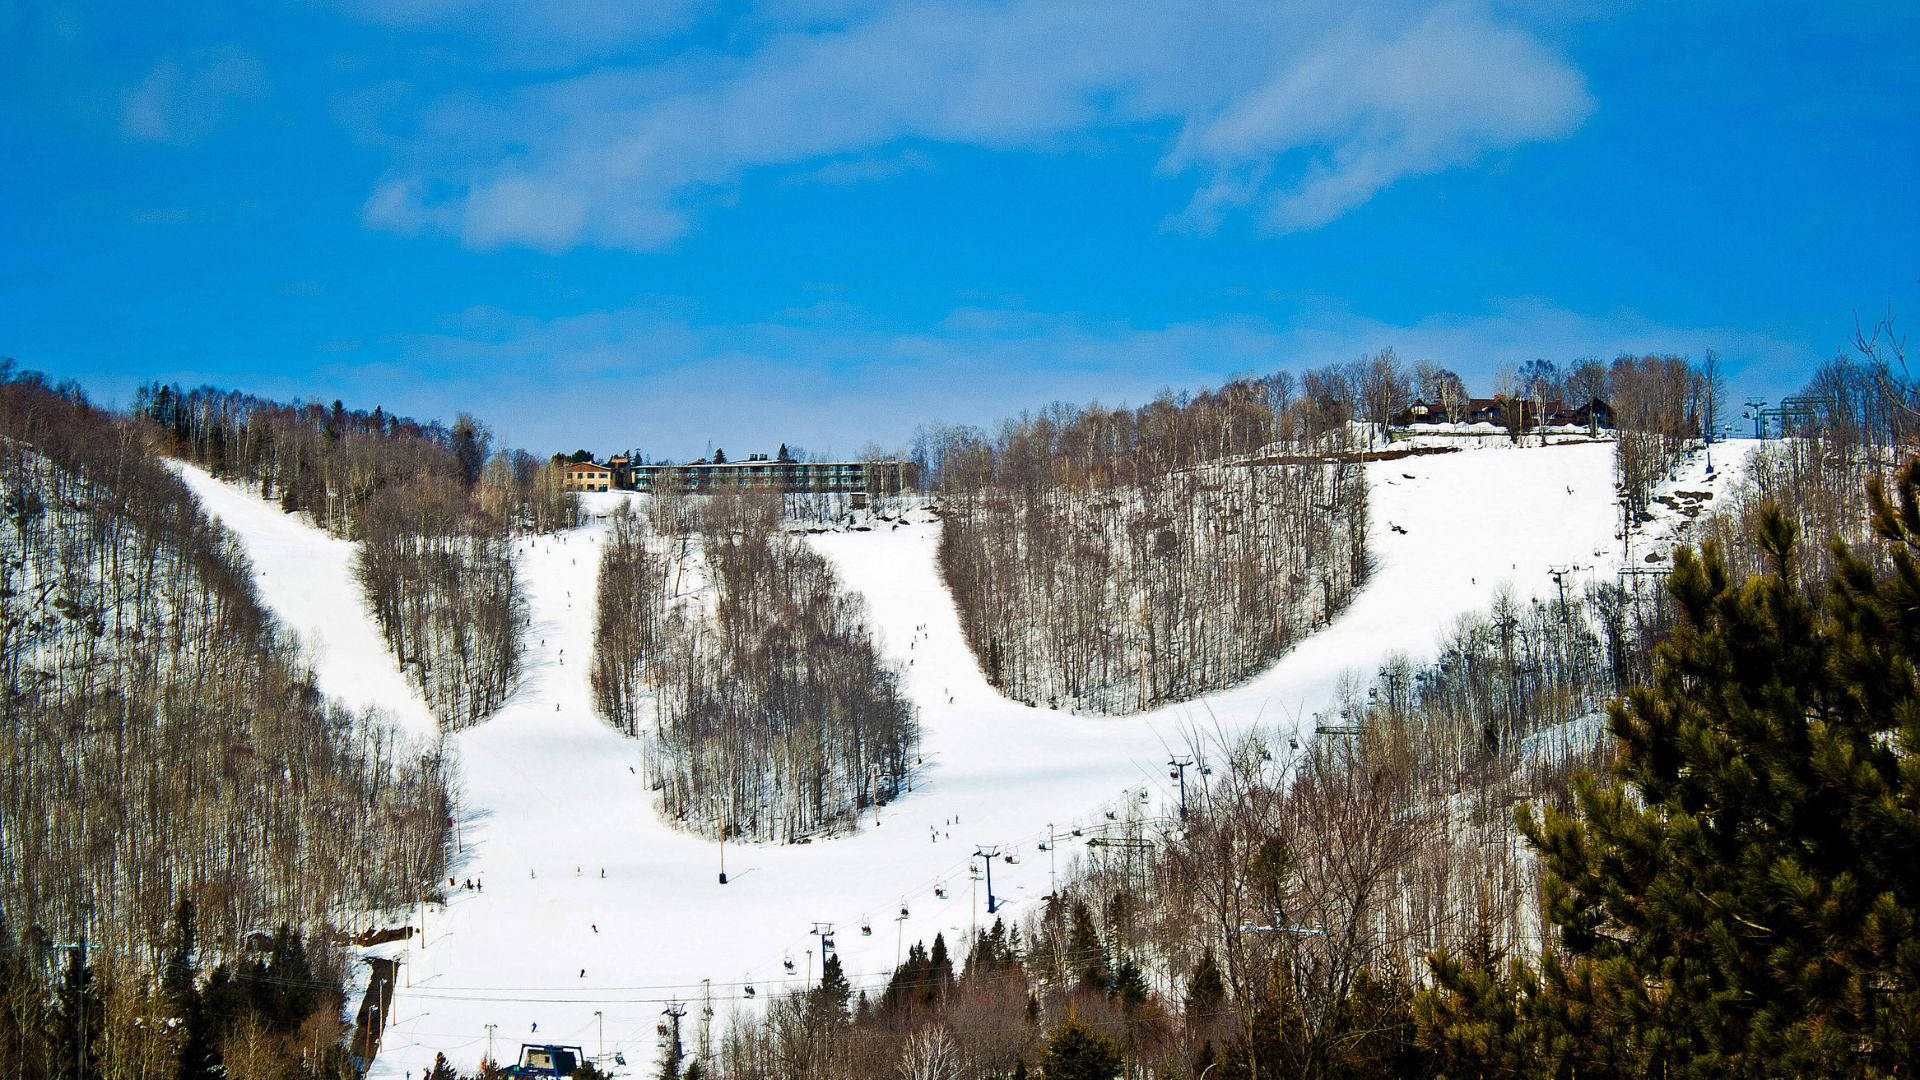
(1296, 113)
(181, 102)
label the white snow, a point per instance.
(306, 578)
(553, 799)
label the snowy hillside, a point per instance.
(593, 910)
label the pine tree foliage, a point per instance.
(1741, 899)
(1076, 1051)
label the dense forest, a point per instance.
(773, 712)
(434, 510)
(1109, 560)
(164, 745)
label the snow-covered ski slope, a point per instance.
(593, 912)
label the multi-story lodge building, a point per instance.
(759, 472)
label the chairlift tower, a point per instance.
(1180, 765)
(670, 1031)
(988, 854)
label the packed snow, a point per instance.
(592, 915)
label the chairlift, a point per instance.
(1076, 832)
(1143, 794)
(866, 929)
(748, 991)
(1112, 816)
(903, 910)
(940, 891)
(1044, 847)
(1010, 858)
(788, 963)
(1266, 755)
(1206, 770)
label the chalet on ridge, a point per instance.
(1504, 411)
(587, 476)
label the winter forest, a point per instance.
(1112, 560)
(772, 713)
(166, 754)
(434, 509)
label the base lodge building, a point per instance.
(756, 473)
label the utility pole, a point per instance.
(706, 1023)
(490, 1028)
(989, 854)
(1052, 847)
(600, 1056)
(899, 934)
(1181, 765)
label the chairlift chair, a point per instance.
(788, 963)
(866, 929)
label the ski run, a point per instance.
(592, 916)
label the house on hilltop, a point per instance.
(1508, 412)
(587, 476)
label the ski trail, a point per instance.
(552, 796)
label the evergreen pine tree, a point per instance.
(79, 1018)
(1085, 952)
(1741, 899)
(180, 986)
(1077, 1052)
(178, 979)
(940, 967)
(1205, 989)
(830, 998)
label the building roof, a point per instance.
(584, 466)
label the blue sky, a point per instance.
(827, 221)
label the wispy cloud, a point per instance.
(1294, 113)
(182, 101)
